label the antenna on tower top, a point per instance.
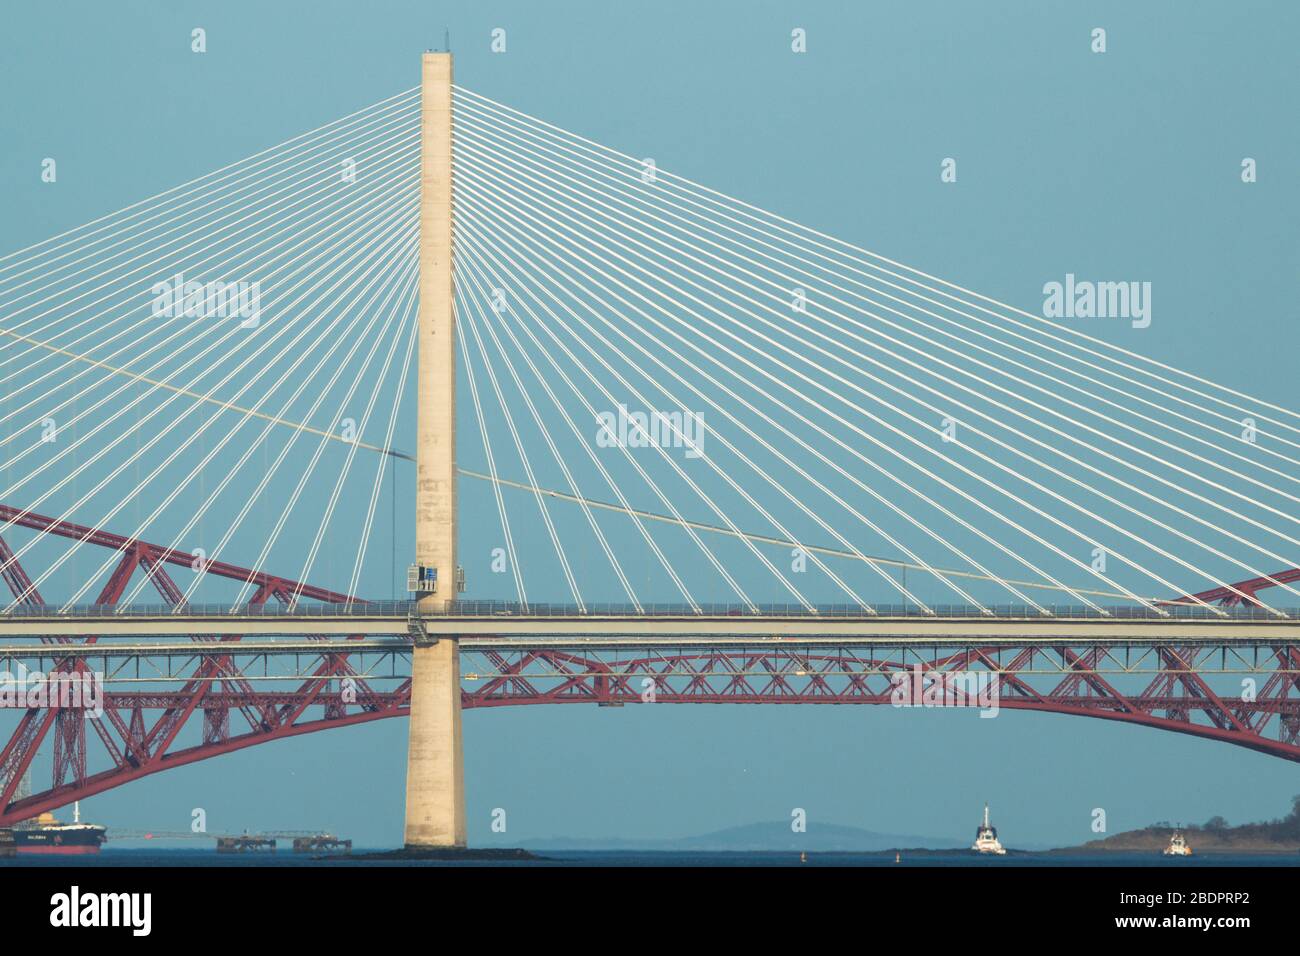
(446, 39)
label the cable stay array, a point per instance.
(821, 424)
(199, 370)
(671, 399)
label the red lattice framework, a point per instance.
(139, 728)
(1059, 679)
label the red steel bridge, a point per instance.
(242, 690)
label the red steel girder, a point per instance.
(724, 676)
(718, 676)
(133, 747)
(1228, 596)
(19, 583)
(392, 705)
(158, 554)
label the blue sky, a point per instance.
(1121, 165)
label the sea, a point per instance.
(627, 858)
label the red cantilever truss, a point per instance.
(1156, 685)
(150, 558)
(138, 747)
(1232, 595)
(1167, 691)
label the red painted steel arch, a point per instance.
(140, 728)
(719, 677)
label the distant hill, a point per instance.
(1214, 836)
(820, 838)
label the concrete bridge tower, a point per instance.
(435, 779)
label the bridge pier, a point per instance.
(435, 767)
(435, 773)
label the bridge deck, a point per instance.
(547, 625)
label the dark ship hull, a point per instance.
(60, 839)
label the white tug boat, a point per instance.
(986, 837)
(1177, 845)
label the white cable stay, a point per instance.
(385, 450)
(653, 359)
(681, 473)
(786, 323)
(903, 513)
(388, 334)
(640, 197)
(600, 386)
(475, 263)
(675, 401)
(409, 94)
(665, 499)
(464, 281)
(270, 471)
(579, 285)
(303, 328)
(389, 259)
(230, 256)
(330, 433)
(325, 243)
(323, 231)
(328, 246)
(678, 292)
(512, 557)
(282, 329)
(70, 449)
(565, 567)
(1038, 324)
(498, 219)
(322, 393)
(173, 214)
(205, 236)
(783, 543)
(330, 333)
(411, 321)
(469, 195)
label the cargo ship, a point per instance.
(47, 835)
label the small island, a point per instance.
(1213, 836)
